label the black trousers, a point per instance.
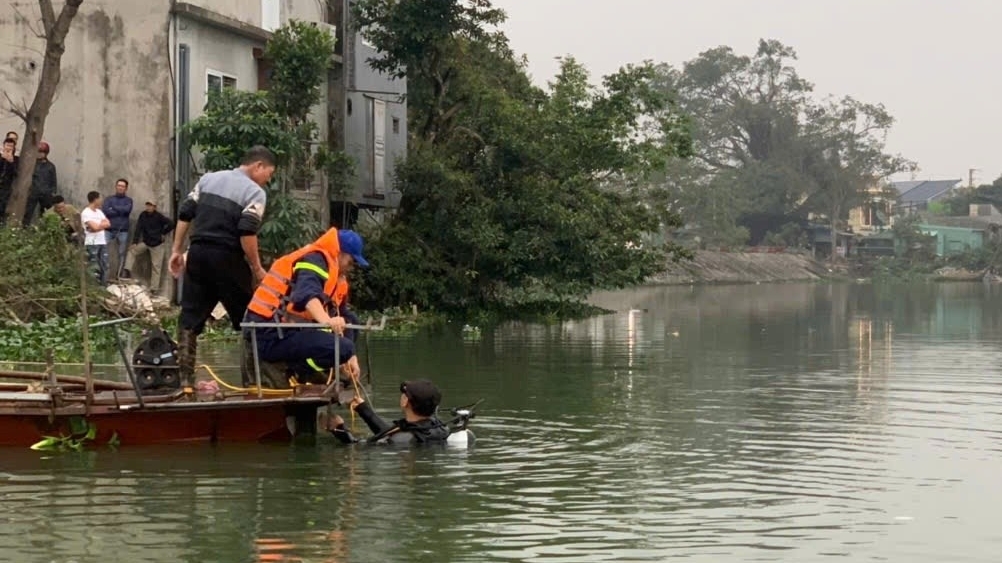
(38, 201)
(5, 194)
(310, 353)
(214, 274)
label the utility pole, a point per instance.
(970, 176)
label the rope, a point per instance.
(272, 392)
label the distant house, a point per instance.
(955, 235)
(917, 195)
(875, 213)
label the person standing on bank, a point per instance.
(8, 173)
(44, 186)
(151, 228)
(95, 226)
(224, 212)
(117, 208)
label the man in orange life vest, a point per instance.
(306, 286)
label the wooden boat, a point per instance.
(117, 418)
(58, 411)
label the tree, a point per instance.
(513, 197)
(768, 154)
(846, 160)
(746, 120)
(54, 30)
(960, 204)
(427, 41)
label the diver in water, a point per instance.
(419, 402)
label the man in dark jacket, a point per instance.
(43, 186)
(117, 208)
(8, 173)
(419, 400)
(151, 228)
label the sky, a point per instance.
(935, 64)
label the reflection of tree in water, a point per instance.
(741, 376)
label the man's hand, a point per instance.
(351, 369)
(259, 274)
(176, 264)
(355, 401)
(337, 324)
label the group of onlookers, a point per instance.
(103, 222)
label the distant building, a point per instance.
(135, 71)
(917, 195)
(876, 213)
(956, 235)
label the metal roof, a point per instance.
(924, 192)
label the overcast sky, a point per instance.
(935, 64)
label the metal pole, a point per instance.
(128, 366)
(380, 326)
(257, 364)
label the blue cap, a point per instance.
(351, 242)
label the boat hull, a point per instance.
(241, 419)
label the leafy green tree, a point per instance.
(960, 204)
(846, 157)
(768, 151)
(514, 197)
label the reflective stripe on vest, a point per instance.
(271, 298)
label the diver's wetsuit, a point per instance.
(428, 431)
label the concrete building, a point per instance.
(135, 71)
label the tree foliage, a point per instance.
(46, 281)
(301, 58)
(278, 118)
(960, 204)
(767, 152)
(513, 195)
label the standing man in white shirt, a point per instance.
(95, 240)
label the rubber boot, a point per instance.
(247, 364)
(273, 376)
(187, 348)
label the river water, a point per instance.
(747, 423)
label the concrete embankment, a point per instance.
(742, 267)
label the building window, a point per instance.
(215, 81)
(396, 126)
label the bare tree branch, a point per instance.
(19, 110)
(48, 15)
(29, 22)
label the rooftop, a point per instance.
(923, 191)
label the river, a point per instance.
(745, 423)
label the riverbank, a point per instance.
(710, 266)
